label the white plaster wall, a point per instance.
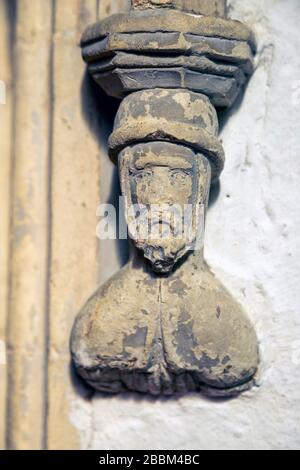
(253, 245)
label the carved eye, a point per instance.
(179, 176)
(140, 175)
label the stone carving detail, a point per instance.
(203, 7)
(164, 323)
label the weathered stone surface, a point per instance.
(27, 318)
(75, 173)
(163, 43)
(168, 21)
(178, 116)
(158, 326)
(6, 122)
(135, 61)
(170, 57)
(252, 243)
(182, 332)
(165, 335)
(161, 180)
(203, 7)
(221, 91)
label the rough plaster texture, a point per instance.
(253, 245)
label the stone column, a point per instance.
(27, 320)
(75, 175)
(55, 193)
(6, 105)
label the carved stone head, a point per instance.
(184, 331)
(166, 147)
(165, 187)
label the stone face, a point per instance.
(161, 326)
(162, 181)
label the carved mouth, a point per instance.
(162, 266)
(159, 261)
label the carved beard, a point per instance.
(165, 185)
(166, 244)
(163, 254)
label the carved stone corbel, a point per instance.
(164, 323)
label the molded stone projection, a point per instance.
(170, 49)
(164, 324)
(202, 7)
